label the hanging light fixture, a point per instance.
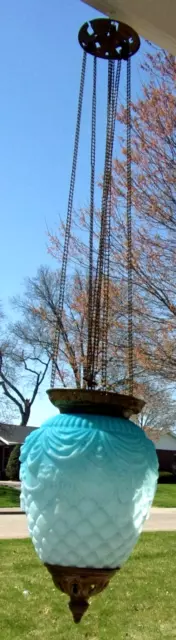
(88, 475)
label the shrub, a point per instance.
(13, 465)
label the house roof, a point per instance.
(14, 434)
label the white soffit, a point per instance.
(155, 20)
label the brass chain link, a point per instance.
(129, 232)
(98, 285)
(88, 372)
(101, 290)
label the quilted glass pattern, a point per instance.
(87, 486)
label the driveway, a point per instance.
(161, 520)
(10, 483)
(14, 525)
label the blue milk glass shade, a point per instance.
(88, 483)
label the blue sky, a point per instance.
(40, 61)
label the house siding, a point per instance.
(166, 442)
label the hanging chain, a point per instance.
(100, 261)
(98, 287)
(107, 227)
(106, 278)
(68, 223)
(100, 318)
(129, 232)
(88, 376)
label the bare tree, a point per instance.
(20, 369)
(40, 315)
(35, 332)
(159, 412)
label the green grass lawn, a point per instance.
(138, 605)
(165, 496)
(9, 497)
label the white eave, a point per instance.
(7, 442)
(155, 20)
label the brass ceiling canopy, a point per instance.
(109, 39)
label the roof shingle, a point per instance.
(14, 434)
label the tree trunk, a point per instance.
(26, 413)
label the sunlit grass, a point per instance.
(138, 605)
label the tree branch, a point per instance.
(12, 386)
(12, 398)
(40, 378)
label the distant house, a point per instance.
(166, 451)
(165, 444)
(10, 435)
